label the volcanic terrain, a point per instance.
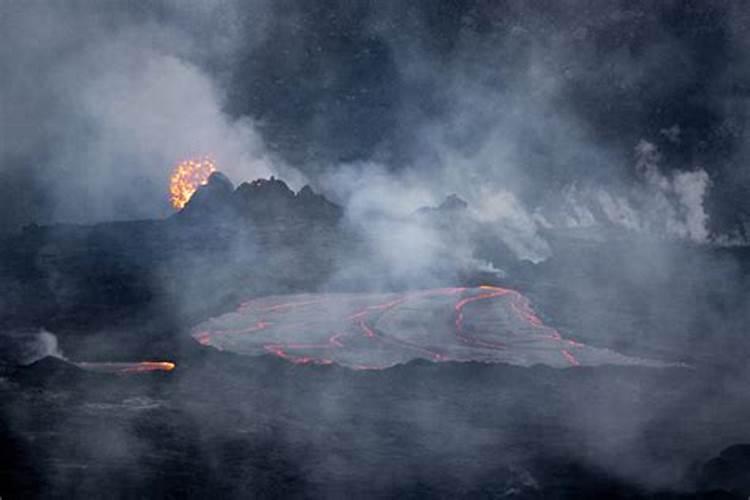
(223, 352)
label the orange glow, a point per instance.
(149, 366)
(127, 367)
(268, 323)
(186, 177)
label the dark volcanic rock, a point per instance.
(260, 201)
(48, 371)
(142, 279)
(317, 205)
(730, 471)
(264, 198)
(272, 198)
(212, 200)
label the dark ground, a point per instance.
(230, 426)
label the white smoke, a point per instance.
(25, 348)
(47, 345)
(672, 205)
(382, 205)
(515, 226)
(107, 101)
(149, 116)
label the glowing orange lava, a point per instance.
(362, 331)
(126, 367)
(186, 177)
(149, 366)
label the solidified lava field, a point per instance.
(379, 330)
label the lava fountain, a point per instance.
(186, 177)
(378, 330)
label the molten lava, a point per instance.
(126, 368)
(149, 366)
(186, 177)
(379, 330)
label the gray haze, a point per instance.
(622, 123)
(538, 113)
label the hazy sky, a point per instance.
(99, 100)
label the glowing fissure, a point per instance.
(344, 329)
(127, 367)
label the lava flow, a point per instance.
(374, 331)
(127, 368)
(186, 177)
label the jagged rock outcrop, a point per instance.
(261, 200)
(212, 201)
